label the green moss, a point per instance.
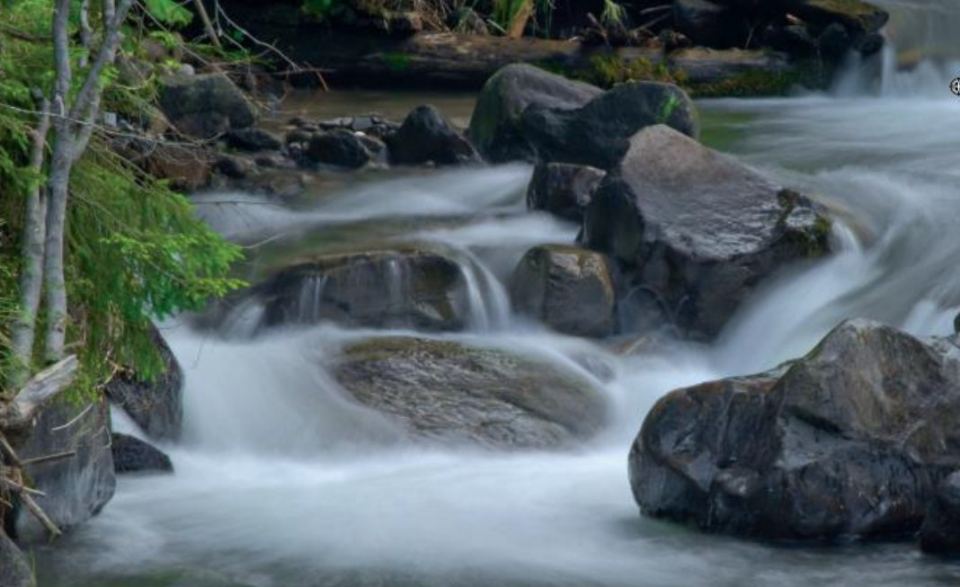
(609, 69)
(760, 82)
(396, 61)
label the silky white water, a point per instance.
(282, 482)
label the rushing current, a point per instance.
(280, 482)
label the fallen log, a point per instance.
(43, 387)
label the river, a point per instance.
(280, 482)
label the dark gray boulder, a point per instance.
(15, 569)
(570, 289)
(206, 105)
(446, 391)
(940, 533)
(563, 189)
(75, 488)
(339, 147)
(253, 139)
(132, 455)
(427, 137)
(400, 287)
(599, 133)
(155, 404)
(848, 441)
(697, 228)
(495, 128)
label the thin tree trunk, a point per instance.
(207, 25)
(31, 277)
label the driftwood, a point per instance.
(17, 415)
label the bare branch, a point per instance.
(38, 392)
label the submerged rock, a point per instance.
(495, 127)
(206, 105)
(155, 405)
(15, 569)
(698, 228)
(450, 392)
(427, 137)
(563, 189)
(383, 288)
(75, 488)
(132, 455)
(848, 441)
(567, 288)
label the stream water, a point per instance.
(280, 482)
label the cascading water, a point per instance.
(282, 482)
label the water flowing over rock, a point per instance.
(570, 289)
(453, 393)
(849, 440)
(156, 404)
(206, 105)
(599, 133)
(495, 127)
(397, 287)
(132, 455)
(426, 136)
(563, 189)
(698, 228)
(75, 488)
(14, 567)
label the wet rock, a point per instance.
(569, 289)
(187, 167)
(75, 488)
(697, 228)
(235, 167)
(856, 16)
(599, 133)
(132, 455)
(398, 288)
(427, 137)
(495, 125)
(155, 405)
(449, 392)
(339, 147)
(253, 140)
(847, 441)
(15, 569)
(708, 23)
(940, 533)
(563, 189)
(206, 105)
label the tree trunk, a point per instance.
(31, 277)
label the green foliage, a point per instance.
(613, 13)
(135, 250)
(169, 12)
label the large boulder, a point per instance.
(848, 441)
(155, 404)
(599, 133)
(15, 569)
(568, 288)
(563, 189)
(206, 105)
(400, 287)
(495, 125)
(940, 533)
(132, 455)
(697, 228)
(427, 137)
(74, 488)
(857, 16)
(449, 392)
